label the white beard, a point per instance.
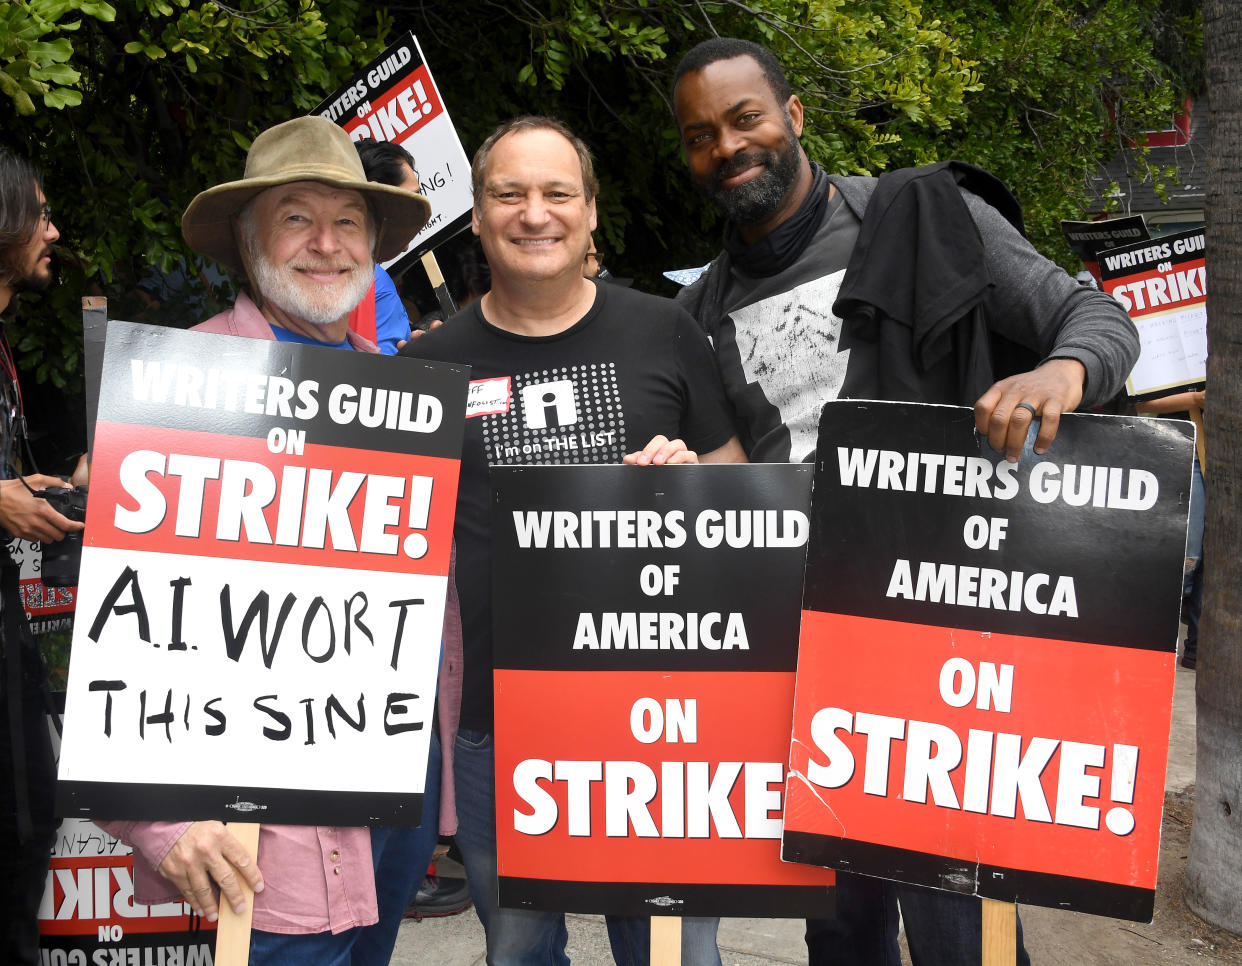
(280, 284)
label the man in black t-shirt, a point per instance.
(564, 370)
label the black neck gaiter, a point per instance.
(779, 249)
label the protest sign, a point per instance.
(88, 913)
(48, 609)
(263, 582)
(395, 99)
(1163, 286)
(985, 674)
(645, 627)
(1088, 238)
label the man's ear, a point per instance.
(795, 109)
(594, 219)
(474, 219)
(380, 225)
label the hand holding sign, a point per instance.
(986, 658)
(1050, 389)
(207, 855)
(661, 451)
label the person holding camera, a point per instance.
(27, 769)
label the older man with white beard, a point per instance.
(303, 227)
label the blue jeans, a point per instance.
(528, 937)
(400, 857)
(942, 928)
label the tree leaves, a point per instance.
(132, 110)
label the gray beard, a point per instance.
(279, 286)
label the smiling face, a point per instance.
(533, 219)
(310, 249)
(740, 142)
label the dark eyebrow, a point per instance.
(731, 109)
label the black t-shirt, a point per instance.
(633, 367)
(780, 347)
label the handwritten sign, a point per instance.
(1163, 286)
(263, 582)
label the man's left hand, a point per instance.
(1050, 390)
(662, 451)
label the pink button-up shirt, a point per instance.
(315, 878)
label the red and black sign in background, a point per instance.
(645, 628)
(985, 674)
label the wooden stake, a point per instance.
(1000, 933)
(666, 941)
(436, 278)
(233, 930)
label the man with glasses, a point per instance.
(27, 769)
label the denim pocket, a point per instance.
(474, 740)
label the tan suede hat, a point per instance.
(304, 149)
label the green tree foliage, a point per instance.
(143, 104)
(34, 52)
(132, 107)
(1064, 87)
(1040, 91)
(869, 69)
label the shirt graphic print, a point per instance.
(790, 345)
(564, 414)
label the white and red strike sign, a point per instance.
(1162, 283)
(263, 582)
(645, 639)
(985, 675)
(395, 99)
(47, 608)
(89, 916)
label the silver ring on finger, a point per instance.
(1029, 408)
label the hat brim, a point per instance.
(207, 224)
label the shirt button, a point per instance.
(336, 855)
(337, 870)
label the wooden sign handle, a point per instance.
(1000, 933)
(666, 941)
(436, 278)
(233, 930)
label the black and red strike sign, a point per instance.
(263, 578)
(985, 676)
(1162, 284)
(645, 632)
